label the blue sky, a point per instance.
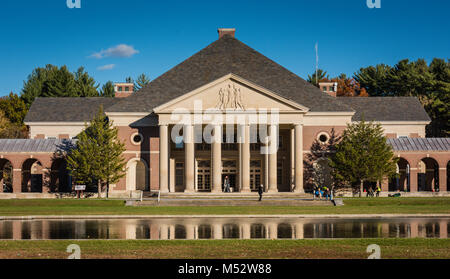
(154, 36)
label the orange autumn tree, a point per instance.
(347, 87)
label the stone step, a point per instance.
(226, 195)
(228, 202)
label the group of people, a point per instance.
(227, 187)
(370, 191)
(322, 192)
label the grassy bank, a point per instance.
(229, 249)
(116, 207)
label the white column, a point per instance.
(298, 130)
(189, 166)
(299, 234)
(216, 151)
(245, 159)
(273, 230)
(163, 232)
(292, 157)
(217, 231)
(273, 150)
(163, 158)
(190, 231)
(172, 169)
(246, 232)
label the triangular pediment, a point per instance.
(230, 93)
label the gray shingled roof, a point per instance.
(67, 109)
(386, 108)
(420, 144)
(36, 145)
(224, 56)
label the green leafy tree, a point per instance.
(141, 81)
(14, 108)
(10, 130)
(98, 155)
(107, 90)
(363, 154)
(321, 75)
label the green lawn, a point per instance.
(229, 249)
(117, 207)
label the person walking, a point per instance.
(226, 184)
(378, 191)
(260, 192)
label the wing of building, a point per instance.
(206, 120)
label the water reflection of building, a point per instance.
(223, 228)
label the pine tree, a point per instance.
(321, 76)
(141, 81)
(363, 154)
(129, 80)
(84, 84)
(98, 155)
(107, 90)
(60, 83)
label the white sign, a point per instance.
(80, 187)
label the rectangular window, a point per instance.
(280, 142)
(119, 88)
(127, 88)
(280, 173)
(179, 174)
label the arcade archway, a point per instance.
(32, 176)
(6, 176)
(137, 175)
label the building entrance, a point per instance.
(255, 174)
(229, 168)
(204, 176)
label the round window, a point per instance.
(137, 138)
(323, 137)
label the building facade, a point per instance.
(227, 111)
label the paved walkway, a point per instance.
(309, 216)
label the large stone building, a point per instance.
(225, 111)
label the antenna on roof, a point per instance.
(317, 63)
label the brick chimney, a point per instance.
(226, 31)
(123, 89)
(329, 87)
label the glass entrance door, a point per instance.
(229, 168)
(204, 176)
(255, 174)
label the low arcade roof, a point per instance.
(420, 144)
(35, 145)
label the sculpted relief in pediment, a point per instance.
(230, 97)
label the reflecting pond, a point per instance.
(225, 228)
